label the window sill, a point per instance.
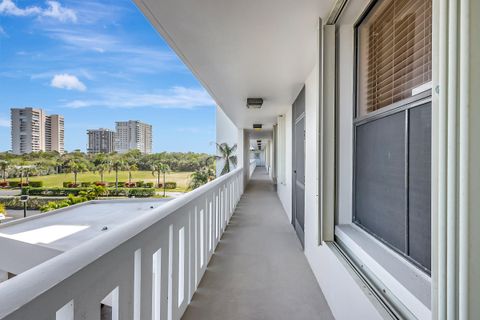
(403, 284)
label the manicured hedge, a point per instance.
(112, 192)
(141, 192)
(16, 184)
(170, 185)
(35, 184)
(33, 203)
(53, 192)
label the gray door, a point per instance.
(298, 161)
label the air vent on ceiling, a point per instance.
(254, 103)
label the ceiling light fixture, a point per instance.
(254, 103)
(257, 127)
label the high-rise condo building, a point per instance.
(33, 131)
(54, 133)
(132, 135)
(101, 141)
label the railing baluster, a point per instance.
(191, 255)
(149, 269)
(146, 282)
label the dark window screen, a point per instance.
(392, 181)
(380, 178)
(420, 184)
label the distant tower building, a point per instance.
(132, 135)
(33, 131)
(54, 133)
(101, 141)
(28, 125)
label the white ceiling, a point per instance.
(243, 48)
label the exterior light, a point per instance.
(254, 103)
(257, 127)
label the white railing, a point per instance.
(253, 165)
(148, 268)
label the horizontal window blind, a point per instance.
(395, 50)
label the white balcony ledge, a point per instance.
(148, 268)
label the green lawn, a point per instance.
(56, 180)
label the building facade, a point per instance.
(101, 141)
(33, 131)
(131, 135)
(27, 125)
(54, 133)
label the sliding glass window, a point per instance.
(392, 127)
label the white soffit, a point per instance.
(243, 48)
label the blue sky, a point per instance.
(97, 62)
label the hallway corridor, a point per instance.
(258, 270)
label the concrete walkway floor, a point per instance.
(258, 270)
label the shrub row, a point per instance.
(34, 203)
(169, 185)
(121, 184)
(16, 184)
(72, 185)
(63, 192)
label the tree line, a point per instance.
(46, 163)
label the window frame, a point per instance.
(356, 74)
(397, 107)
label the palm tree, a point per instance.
(75, 166)
(130, 164)
(117, 165)
(101, 168)
(4, 164)
(227, 154)
(201, 177)
(102, 163)
(29, 171)
(159, 168)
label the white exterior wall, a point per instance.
(284, 188)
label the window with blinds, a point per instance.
(394, 53)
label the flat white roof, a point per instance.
(27, 242)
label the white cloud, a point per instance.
(8, 7)
(53, 10)
(4, 122)
(56, 11)
(2, 31)
(175, 98)
(67, 81)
